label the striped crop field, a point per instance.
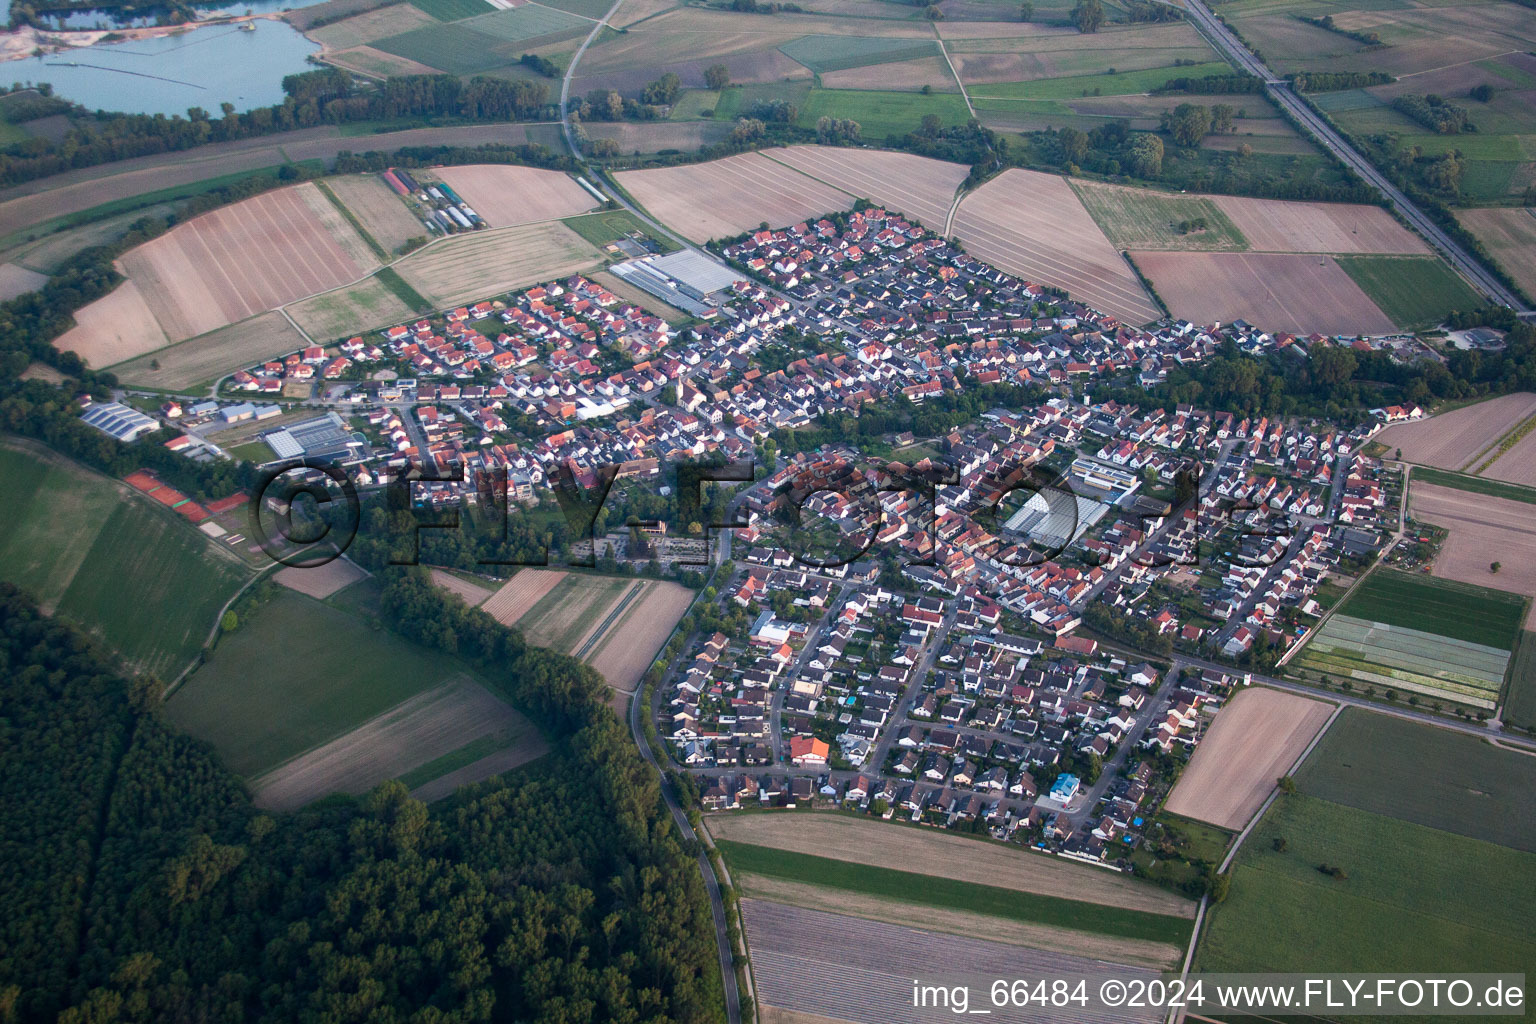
(1382, 654)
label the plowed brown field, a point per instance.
(917, 186)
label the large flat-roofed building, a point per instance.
(121, 422)
(1102, 482)
(324, 437)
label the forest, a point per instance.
(139, 884)
(328, 96)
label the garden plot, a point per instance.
(1384, 655)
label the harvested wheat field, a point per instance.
(919, 187)
(488, 263)
(472, 593)
(210, 356)
(1032, 225)
(321, 581)
(381, 213)
(1274, 225)
(930, 852)
(723, 198)
(1482, 528)
(810, 961)
(506, 195)
(520, 593)
(931, 73)
(419, 730)
(1510, 235)
(1256, 738)
(235, 262)
(115, 327)
(1455, 439)
(622, 649)
(1274, 292)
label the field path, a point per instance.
(951, 65)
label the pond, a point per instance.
(203, 67)
(94, 18)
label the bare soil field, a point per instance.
(917, 186)
(897, 76)
(213, 355)
(811, 961)
(521, 593)
(1454, 440)
(506, 195)
(1275, 292)
(42, 371)
(774, 1015)
(488, 263)
(321, 581)
(370, 25)
(1518, 465)
(16, 281)
(926, 851)
(1273, 225)
(117, 326)
(639, 297)
(1132, 952)
(723, 198)
(376, 207)
(472, 593)
(1482, 529)
(572, 609)
(1510, 235)
(349, 310)
(419, 730)
(626, 648)
(1255, 739)
(1021, 221)
(235, 262)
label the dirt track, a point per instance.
(926, 851)
(1255, 739)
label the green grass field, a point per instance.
(838, 53)
(453, 48)
(529, 25)
(1475, 484)
(737, 100)
(142, 581)
(560, 617)
(609, 225)
(882, 114)
(930, 890)
(586, 8)
(1520, 701)
(1120, 83)
(469, 753)
(398, 286)
(1427, 775)
(1414, 291)
(1414, 899)
(452, 10)
(1144, 219)
(1460, 610)
(297, 674)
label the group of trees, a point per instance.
(1434, 113)
(838, 131)
(1327, 24)
(328, 96)
(1188, 123)
(1088, 16)
(141, 885)
(1333, 81)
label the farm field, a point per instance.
(1510, 236)
(505, 195)
(1520, 701)
(1413, 899)
(1474, 484)
(1022, 52)
(212, 355)
(1138, 218)
(382, 214)
(368, 304)
(882, 114)
(409, 736)
(116, 327)
(1273, 225)
(922, 890)
(1515, 466)
(1256, 738)
(370, 25)
(1472, 614)
(838, 53)
(1482, 529)
(16, 280)
(237, 261)
(639, 297)
(927, 851)
(723, 198)
(366, 60)
(921, 188)
(473, 594)
(1107, 83)
(577, 603)
(524, 590)
(1016, 222)
(1425, 775)
(820, 967)
(142, 582)
(904, 76)
(1376, 655)
(655, 136)
(489, 263)
(1415, 293)
(1455, 439)
(252, 704)
(623, 648)
(320, 581)
(1276, 292)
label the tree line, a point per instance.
(327, 96)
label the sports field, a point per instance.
(296, 674)
(1416, 292)
(131, 574)
(1412, 898)
(1426, 775)
(488, 263)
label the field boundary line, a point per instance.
(634, 591)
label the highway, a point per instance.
(1281, 92)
